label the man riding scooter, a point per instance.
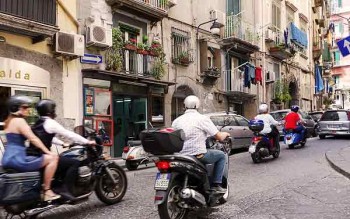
(294, 122)
(45, 129)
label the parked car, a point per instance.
(316, 115)
(238, 128)
(310, 125)
(335, 123)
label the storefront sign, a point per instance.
(89, 101)
(22, 73)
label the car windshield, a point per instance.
(335, 116)
(279, 115)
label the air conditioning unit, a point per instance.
(98, 36)
(69, 44)
(219, 15)
(270, 77)
(270, 36)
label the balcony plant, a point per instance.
(114, 56)
(158, 67)
(282, 94)
(130, 44)
(142, 49)
(155, 49)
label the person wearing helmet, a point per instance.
(269, 123)
(295, 122)
(197, 127)
(46, 128)
(17, 131)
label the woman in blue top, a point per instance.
(17, 132)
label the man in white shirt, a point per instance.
(45, 129)
(269, 123)
(197, 128)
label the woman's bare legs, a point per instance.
(50, 165)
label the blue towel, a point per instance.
(246, 76)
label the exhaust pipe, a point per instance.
(193, 194)
(36, 211)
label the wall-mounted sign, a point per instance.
(89, 101)
(22, 73)
(91, 59)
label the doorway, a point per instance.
(130, 118)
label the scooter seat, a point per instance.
(187, 158)
(5, 170)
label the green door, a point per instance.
(130, 118)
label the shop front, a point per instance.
(130, 104)
(22, 78)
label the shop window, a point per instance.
(157, 110)
(181, 48)
(97, 102)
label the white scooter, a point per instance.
(134, 155)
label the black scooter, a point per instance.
(96, 173)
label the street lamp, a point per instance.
(214, 29)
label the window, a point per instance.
(276, 69)
(181, 48)
(233, 7)
(335, 116)
(336, 79)
(220, 120)
(340, 3)
(290, 16)
(276, 14)
(157, 110)
(242, 121)
(336, 55)
(339, 28)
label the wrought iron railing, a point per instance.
(238, 28)
(234, 81)
(157, 4)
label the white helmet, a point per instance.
(192, 102)
(263, 108)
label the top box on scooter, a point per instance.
(162, 141)
(256, 125)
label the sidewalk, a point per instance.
(340, 160)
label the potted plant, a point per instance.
(114, 56)
(155, 49)
(184, 58)
(282, 94)
(130, 44)
(142, 49)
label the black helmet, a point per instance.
(46, 107)
(295, 108)
(15, 102)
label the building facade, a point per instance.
(29, 63)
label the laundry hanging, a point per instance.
(258, 75)
(247, 76)
(252, 73)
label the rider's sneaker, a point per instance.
(218, 189)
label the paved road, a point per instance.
(299, 184)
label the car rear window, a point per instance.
(219, 120)
(335, 116)
(279, 116)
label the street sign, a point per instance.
(344, 46)
(91, 59)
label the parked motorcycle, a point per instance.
(293, 139)
(134, 155)
(183, 182)
(20, 192)
(262, 145)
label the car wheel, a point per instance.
(322, 136)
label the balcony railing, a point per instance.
(137, 64)
(153, 10)
(34, 10)
(238, 28)
(234, 81)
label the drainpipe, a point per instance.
(70, 15)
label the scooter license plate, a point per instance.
(252, 149)
(162, 181)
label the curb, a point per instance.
(336, 167)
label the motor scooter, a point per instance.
(262, 145)
(292, 138)
(134, 155)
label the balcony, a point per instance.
(234, 85)
(34, 18)
(153, 10)
(241, 34)
(316, 50)
(278, 49)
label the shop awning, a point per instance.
(133, 79)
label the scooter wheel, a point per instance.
(131, 165)
(291, 146)
(256, 157)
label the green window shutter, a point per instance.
(341, 28)
(340, 3)
(233, 6)
(337, 56)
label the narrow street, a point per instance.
(299, 184)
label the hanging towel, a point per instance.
(252, 74)
(258, 75)
(246, 77)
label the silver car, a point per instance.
(238, 128)
(335, 123)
